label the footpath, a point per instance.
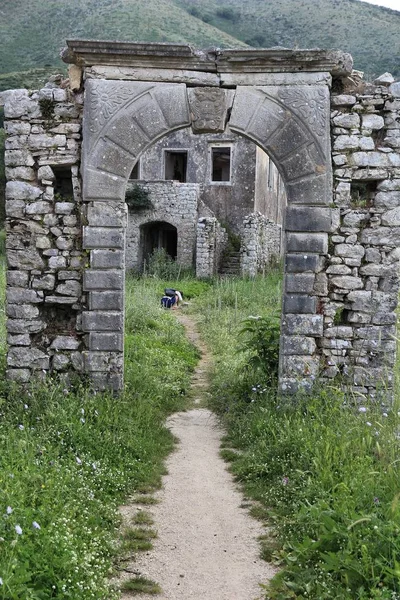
(206, 547)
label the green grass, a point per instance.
(141, 585)
(143, 518)
(325, 473)
(69, 458)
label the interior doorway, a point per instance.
(157, 235)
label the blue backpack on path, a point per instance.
(168, 301)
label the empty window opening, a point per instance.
(63, 187)
(362, 193)
(221, 164)
(135, 173)
(176, 165)
(156, 236)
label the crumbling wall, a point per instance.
(359, 290)
(172, 202)
(44, 255)
(261, 244)
(210, 243)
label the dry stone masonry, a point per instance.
(334, 139)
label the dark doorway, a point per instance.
(158, 235)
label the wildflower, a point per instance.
(78, 460)
(35, 525)
(9, 510)
(369, 424)
(82, 411)
(285, 480)
(1, 581)
(21, 427)
(376, 500)
(26, 406)
(94, 467)
(82, 420)
(362, 409)
(384, 414)
(18, 529)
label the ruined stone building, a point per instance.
(223, 177)
(72, 146)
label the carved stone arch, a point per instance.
(122, 119)
(291, 124)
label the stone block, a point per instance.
(64, 243)
(301, 366)
(22, 311)
(17, 278)
(349, 250)
(65, 342)
(314, 219)
(343, 100)
(38, 208)
(46, 282)
(375, 159)
(102, 321)
(387, 199)
(307, 242)
(61, 300)
(18, 158)
(103, 300)
(39, 141)
(64, 208)
(19, 375)
(375, 332)
(25, 259)
(102, 237)
(106, 259)
(347, 282)
(95, 279)
(298, 345)
(46, 172)
(299, 304)
(381, 236)
(347, 120)
(300, 283)
(355, 218)
(67, 275)
(106, 341)
(60, 362)
(300, 263)
(107, 381)
(321, 284)
(391, 218)
(20, 190)
(32, 358)
(57, 262)
(340, 331)
(70, 288)
(346, 142)
(107, 214)
(25, 173)
(102, 361)
(25, 326)
(18, 104)
(303, 325)
(22, 339)
(372, 121)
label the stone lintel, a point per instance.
(86, 53)
(269, 78)
(125, 73)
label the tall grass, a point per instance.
(69, 458)
(324, 467)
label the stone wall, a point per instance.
(362, 272)
(211, 240)
(261, 243)
(172, 202)
(44, 279)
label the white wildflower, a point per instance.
(18, 529)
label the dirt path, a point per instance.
(207, 545)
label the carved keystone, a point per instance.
(209, 109)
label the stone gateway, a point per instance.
(72, 146)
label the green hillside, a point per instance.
(370, 33)
(33, 32)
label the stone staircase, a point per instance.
(230, 264)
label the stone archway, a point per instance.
(289, 122)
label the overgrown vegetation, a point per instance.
(68, 458)
(323, 467)
(138, 198)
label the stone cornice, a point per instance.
(87, 53)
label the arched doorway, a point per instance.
(158, 235)
(289, 121)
